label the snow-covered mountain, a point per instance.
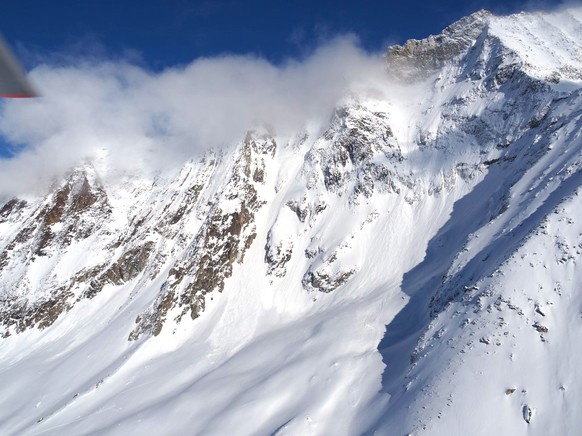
(410, 267)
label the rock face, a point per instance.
(357, 153)
(192, 230)
(227, 233)
(430, 231)
(426, 56)
(66, 217)
(278, 255)
(324, 282)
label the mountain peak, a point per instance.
(546, 45)
(420, 57)
(395, 270)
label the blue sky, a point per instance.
(158, 35)
(161, 33)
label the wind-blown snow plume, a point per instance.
(141, 119)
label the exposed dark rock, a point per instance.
(128, 266)
(70, 214)
(300, 211)
(20, 314)
(359, 156)
(53, 213)
(72, 206)
(188, 202)
(419, 58)
(222, 240)
(152, 322)
(324, 282)
(10, 207)
(528, 413)
(310, 253)
(277, 256)
(163, 308)
(85, 197)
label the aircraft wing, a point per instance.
(13, 81)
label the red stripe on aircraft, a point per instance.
(16, 95)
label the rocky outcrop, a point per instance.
(128, 266)
(277, 255)
(325, 282)
(357, 154)
(66, 216)
(76, 210)
(11, 208)
(417, 58)
(227, 233)
(189, 231)
(18, 314)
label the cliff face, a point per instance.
(367, 275)
(425, 56)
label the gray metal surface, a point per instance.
(13, 81)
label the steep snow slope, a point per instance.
(495, 275)
(408, 267)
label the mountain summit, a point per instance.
(409, 267)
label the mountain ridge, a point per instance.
(320, 273)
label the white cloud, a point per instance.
(141, 119)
